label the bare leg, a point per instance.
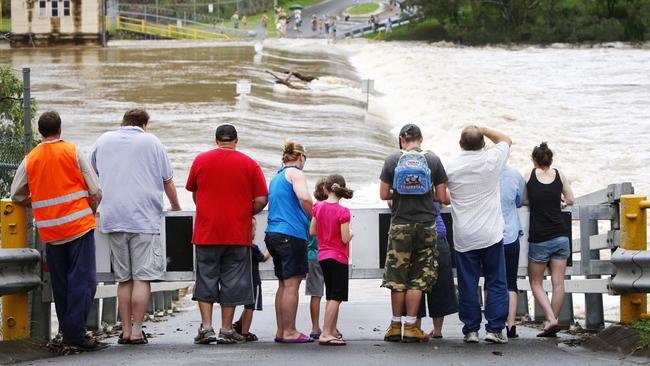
(437, 326)
(139, 302)
(558, 268)
(536, 277)
(289, 305)
(314, 311)
(397, 301)
(124, 290)
(418, 323)
(206, 314)
(278, 309)
(331, 318)
(246, 320)
(512, 309)
(227, 316)
(413, 298)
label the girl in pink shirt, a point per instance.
(331, 225)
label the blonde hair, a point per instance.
(292, 151)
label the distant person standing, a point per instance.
(228, 188)
(512, 187)
(389, 26)
(412, 179)
(547, 190)
(131, 211)
(478, 230)
(244, 21)
(235, 20)
(264, 21)
(290, 209)
(59, 184)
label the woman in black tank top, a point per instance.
(548, 241)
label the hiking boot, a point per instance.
(512, 332)
(413, 334)
(496, 337)
(471, 337)
(229, 337)
(205, 336)
(394, 333)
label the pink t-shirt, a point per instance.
(329, 217)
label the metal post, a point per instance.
(109, 311)
(594, 315)
(92, 321)
(41, 310)
(168, 301)
(158, 303)
(522, 304)
(15, 308)
(633, 237)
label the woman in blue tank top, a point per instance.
(290, 209)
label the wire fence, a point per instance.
(11, 154)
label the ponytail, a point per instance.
(336, 183)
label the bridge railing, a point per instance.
(141, 26)
(368, 252)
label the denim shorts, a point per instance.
(556, 248)
(289, 255)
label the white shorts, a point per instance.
(137, 257)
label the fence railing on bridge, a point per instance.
(615, 205)
(142, 26)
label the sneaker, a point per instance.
(205, 336)
(471, 337)
(512, 332)
(229, 337)
(394, 333)
(496, 337)
(84, 344)
(413, 334)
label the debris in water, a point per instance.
(497, 353)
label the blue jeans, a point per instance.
(72, 272)
(468, 266)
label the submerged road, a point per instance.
(362, 322)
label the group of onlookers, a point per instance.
(128, 172)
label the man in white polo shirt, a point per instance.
(478, 230)
(133, 171)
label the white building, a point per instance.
(43, 22)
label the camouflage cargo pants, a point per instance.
(411, 258)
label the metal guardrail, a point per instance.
(166, 31)
(19, 270)
(632, 271)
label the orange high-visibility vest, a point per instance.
(59, 193)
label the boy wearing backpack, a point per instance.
(412, 179)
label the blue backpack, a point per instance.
(412, 174)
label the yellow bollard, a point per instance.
(15, 308)
(633, 237)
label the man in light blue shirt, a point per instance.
(512, 187)
(134, 170)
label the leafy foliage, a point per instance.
(535, 21)
(643, 327)
(11, 126)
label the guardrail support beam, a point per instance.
(633, 221)
(15, 308)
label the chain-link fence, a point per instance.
(11, 154)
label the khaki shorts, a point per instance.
(137, 257)
(411, 257)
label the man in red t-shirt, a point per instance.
(228, 188)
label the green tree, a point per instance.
(11, 126)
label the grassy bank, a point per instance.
(362, 9)
(6, 25)
(643, 327)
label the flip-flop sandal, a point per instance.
(314, 335)
(250, 337)
(332, 342)
(550, 332)
(435, 337)
(142, 340)
(278, 340)
(301, 339)
(122, 340)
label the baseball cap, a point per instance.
(410, 130)
(226, 133)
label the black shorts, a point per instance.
(224, 275)
(289, 255)
(258, 299)
(336, 277)
(512, 263)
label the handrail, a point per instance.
(169, 31)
